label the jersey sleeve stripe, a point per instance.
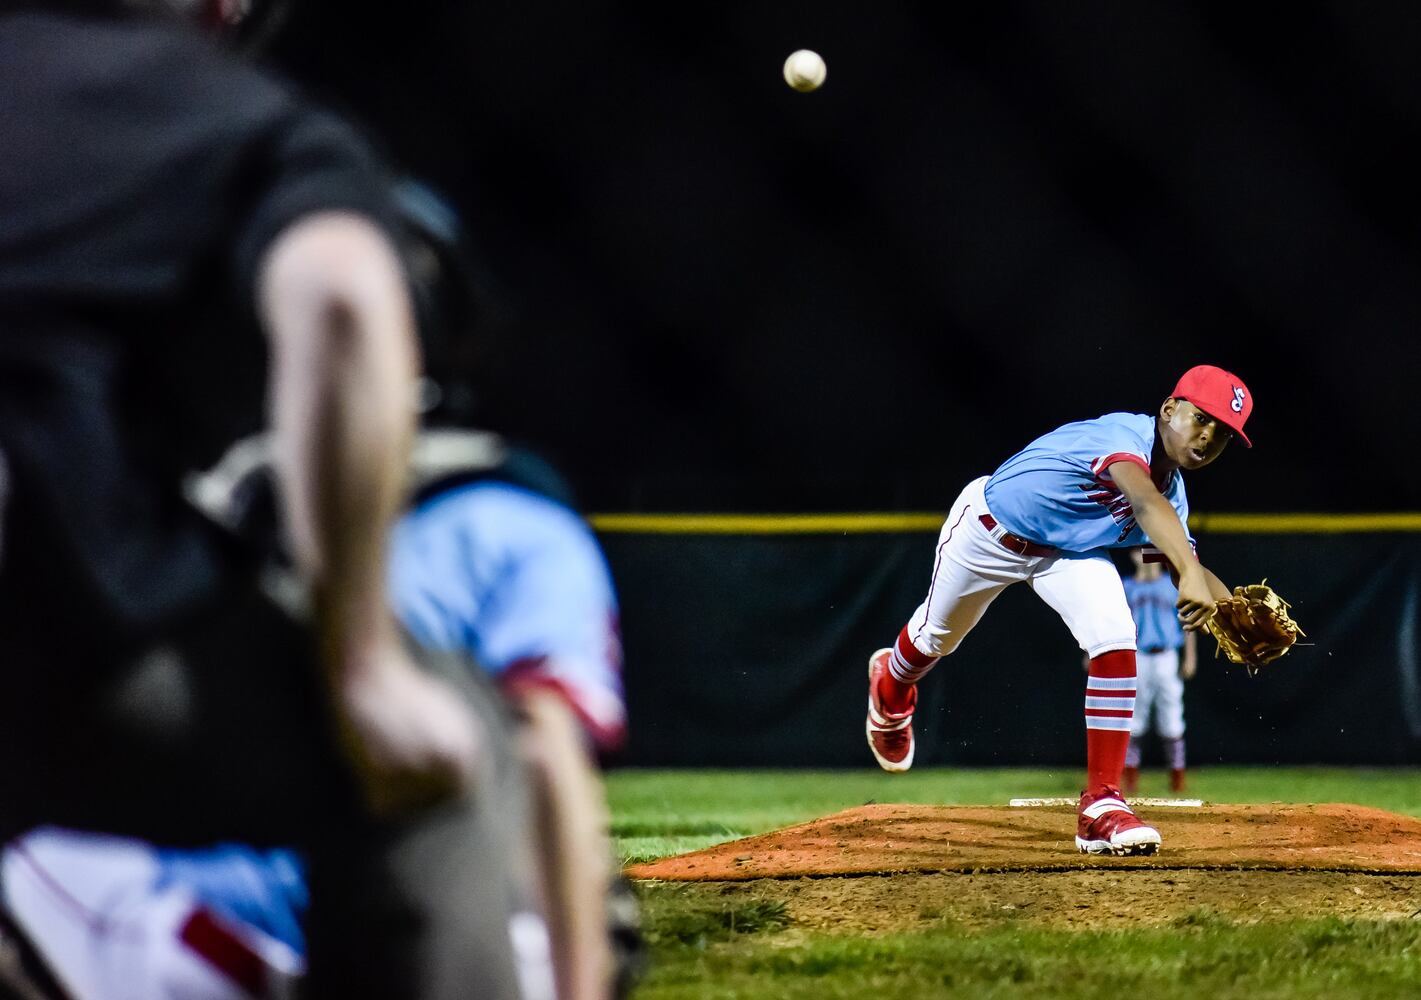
(1150, 554)
(1101, 466)
(600, 712)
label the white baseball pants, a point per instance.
(972, 567)
(92, 906)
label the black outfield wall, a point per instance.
(751, 650)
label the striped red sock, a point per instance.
(1109, 706)
(906, 666)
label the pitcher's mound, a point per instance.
(887, 839)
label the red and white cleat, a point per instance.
(890, 734)
(1106, 825)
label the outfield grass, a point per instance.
(708, 945)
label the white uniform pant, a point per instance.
(1158, 685)
(972, 567)
(93, 907)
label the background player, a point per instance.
(1045, 517)
(1161, 669)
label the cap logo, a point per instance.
(1237, 404)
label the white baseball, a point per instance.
(805, 70)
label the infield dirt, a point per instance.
(885, 868)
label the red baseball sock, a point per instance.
(893, 693)
(906, 666)
(1109, 705)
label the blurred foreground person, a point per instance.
(494, 561)
(487, 561)
(188, 254)
(490, 560)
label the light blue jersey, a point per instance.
(502, 572)
(1152, 604)
(520, 582)
(1057, 491)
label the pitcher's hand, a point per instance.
(1196, 600)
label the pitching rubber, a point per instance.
(1152, 803)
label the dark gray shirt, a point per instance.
(143, 173)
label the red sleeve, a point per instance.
(1101, 466)
(606, 734)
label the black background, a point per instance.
(739, 657)
(711, 292)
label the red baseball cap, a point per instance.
(1220, 394)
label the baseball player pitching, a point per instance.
(1047, 517)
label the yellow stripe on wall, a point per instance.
(1305, 524)
(764, 524)
(889, 523)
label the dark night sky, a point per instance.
(711, 292)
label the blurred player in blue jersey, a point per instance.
(191, 253)
(1165, 657)
(498, 565)
(1048, 517)
(487, 561)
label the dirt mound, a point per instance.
(890, 839)
(1101, 899)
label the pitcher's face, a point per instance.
(1192, 439)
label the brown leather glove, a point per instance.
(1253, 626)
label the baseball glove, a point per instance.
(1253, 626)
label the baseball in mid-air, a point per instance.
(805, 70)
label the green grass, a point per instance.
(712, 945)
(1215, 959)
(659, 813)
